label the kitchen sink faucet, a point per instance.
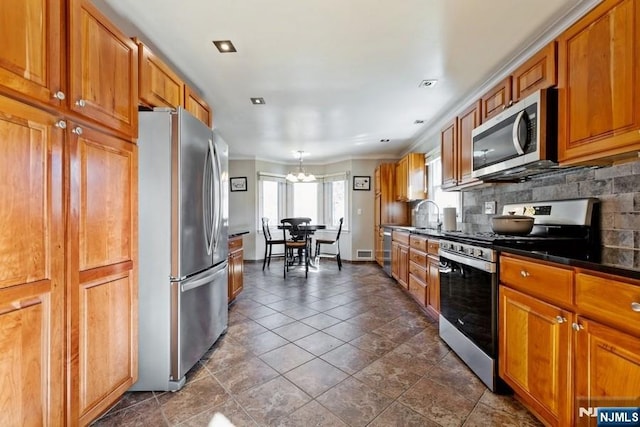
(422, 202)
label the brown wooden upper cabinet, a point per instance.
(456, 149)
(411, 177)
(387, 209)
(159, 85)
(197, 106)
(538, 72)
(30, 58)
(599, 85)
(103, 70)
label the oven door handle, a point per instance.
(487, 266)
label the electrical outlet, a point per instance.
(490, 207)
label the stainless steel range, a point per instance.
(469, 271)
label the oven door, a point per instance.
(469, 297)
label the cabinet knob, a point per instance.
(61, 124)
(77, 130)
(59, 95)
(524, 273)
(561, 319)
(577, 326)
(635, 306)
(81, 103)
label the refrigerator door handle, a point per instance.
(208, 200)
(203, 280)
(218, 200)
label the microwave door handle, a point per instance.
(514, 134)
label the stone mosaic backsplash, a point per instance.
(617, 188)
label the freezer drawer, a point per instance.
(199, 317)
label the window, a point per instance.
(305, 200)
(324, 201)
(442, 198)
(271, 199)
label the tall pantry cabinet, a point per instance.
(68, 212)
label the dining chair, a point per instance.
(268, 242)
(334, 242)
(298, 239)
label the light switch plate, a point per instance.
(490, 208)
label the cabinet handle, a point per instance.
(561, 319)
(59, 95)
(81, 103)
(77, 130)
(61, 124)
(635, 306)
(524, 273)
(577, 326)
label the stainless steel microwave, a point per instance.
(519, 142)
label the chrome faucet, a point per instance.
(422, 202)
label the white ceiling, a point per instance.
(337, 75)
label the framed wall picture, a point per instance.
(362, 183)
(238, 183)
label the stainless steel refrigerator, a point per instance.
(183, 206)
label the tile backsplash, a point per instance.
(617, 187)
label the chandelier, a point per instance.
(300, 175)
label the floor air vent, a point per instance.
(364, 254)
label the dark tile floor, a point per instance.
(344, 348)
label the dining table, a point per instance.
(311, 229)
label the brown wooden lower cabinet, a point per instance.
(607, 369)
(556, 357)
(535, 353)
(236, 267)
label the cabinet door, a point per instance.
(31, 267)
(535, 353)
(539, 72)
(607, 368)
(402, 184)
(449, 155)
(102, 271)
(403, 266)
(30, 57)
(103, 70)
(496, 100)
(434, 285)
(159, 85)
(197, 106)
(416, 176)
(395, 260)
(599, 84)
(467, 121)
(236, 268)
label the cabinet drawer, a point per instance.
(418, 257)
(401, 237)
(550, 283)
(418, 242)
(433, 247)
(609, 301)
(235, 244)
(418, 271)
(418, 290)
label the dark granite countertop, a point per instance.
(429, 232)
(578, 261)
(236, 233)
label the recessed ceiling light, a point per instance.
(257, 101)
(418, 122)
(385, 140)
(225, 46)
(428, 83)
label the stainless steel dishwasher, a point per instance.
(386, 250)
